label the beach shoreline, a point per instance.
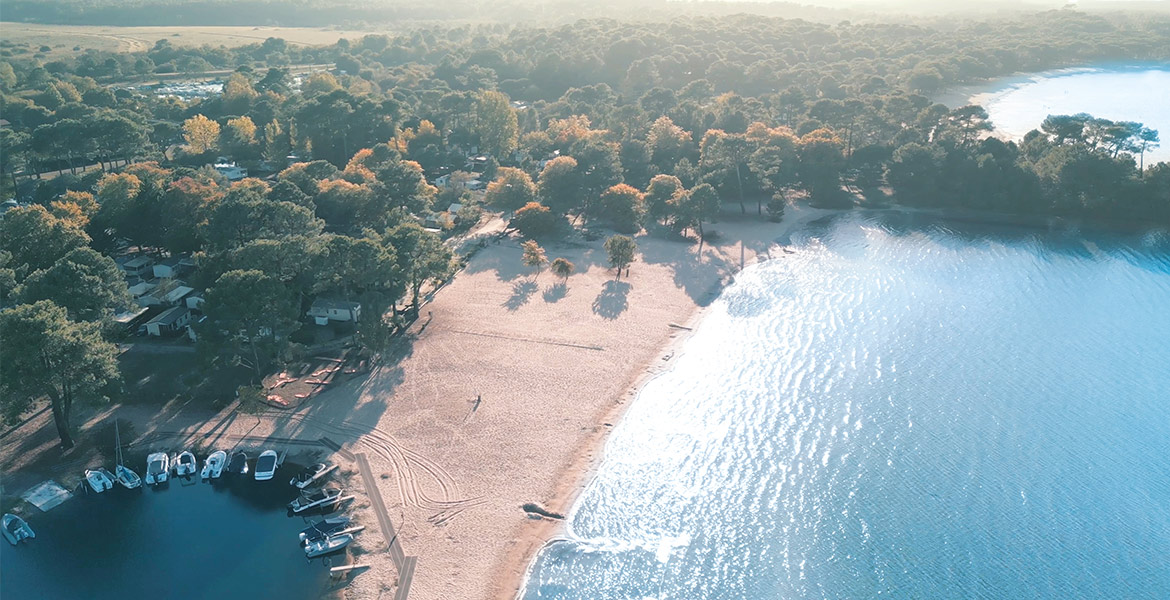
(502, 395)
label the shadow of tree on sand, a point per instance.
(612, 301)
(521, 292)
(555, 292)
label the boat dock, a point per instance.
(405, 564)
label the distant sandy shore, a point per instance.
(502, 395)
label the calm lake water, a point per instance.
(185, 540)
(900, 411)
(1142, 94)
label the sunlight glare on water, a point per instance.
(909, 413)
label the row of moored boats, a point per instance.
(325, 536)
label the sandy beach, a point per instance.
(501, 395)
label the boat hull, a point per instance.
(328, 545)
(98, 481)
(16, 530)
(213, 465)
(127, 477)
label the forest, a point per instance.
(604, 122)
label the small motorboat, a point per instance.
(157, 468)
(15, 529)
(266, 465)
(238, 464)
(185, 464)
(213, 465)
(325, 546)
(311, 474)
(99, 479)
(323, 529)
(125, 475)
(320, 497)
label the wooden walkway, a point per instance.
(405, 564)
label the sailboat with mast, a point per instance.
(125, 475)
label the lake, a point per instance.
(898, 409)
(1019, 104)
(183, 540)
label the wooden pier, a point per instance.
(405, 564)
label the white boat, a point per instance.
(238, 464)
(311, 474)
(15, 529)
(266, 465)
(125, 475)
(323, 529)
(318, 498)
(157, 468)
(213, 465)
(185, 464)
(99, 479)
(327, 545)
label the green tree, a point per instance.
(533, 255)
(36, 239)
(276, 143)
(44, 354)
(723, 157)
(250, 315)
(421, 257)
(534, 220)
(562, 268)
(658, 194)
(621, 250)
(496, 124)
(86, 283)
(691, 209)
(624, 206)
(511, 190)
(239, 137)
(559, 184)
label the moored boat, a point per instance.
(325, 546)
(185, 464)
(266, 465)
(213, 465)
(238, 463)
(320, 497)
(15, 529)
(311, 475)
(125, 475)
(99, 479)
(157, 468)
(323, 529)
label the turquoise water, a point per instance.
(903, 412)
(1140, 94)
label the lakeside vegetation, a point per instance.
(623, 125)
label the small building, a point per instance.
(130, 318)
(170, 322)
(141, 288)
(136, 265)
(324, 310)
(168, 292)
(195, 300)
(174, 266)
(231, 170)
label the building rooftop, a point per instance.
(327, 304)
(170, 316)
